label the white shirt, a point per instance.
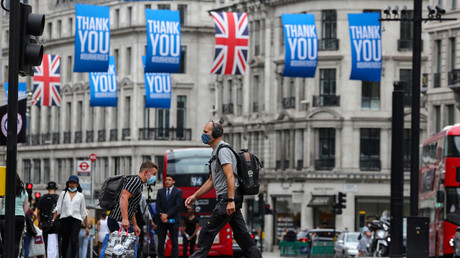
(75, 208)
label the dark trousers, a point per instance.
(70, 227)
(192, 243)
(18, 228)
(162, 230)
(218, 220)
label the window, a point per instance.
(59, 29)
(47, 170)
(59, 169)
(58, 120)
(407, 149)
(329, 30)
(327, 88)
(162, 118)
(437, 117)
(181, 116)
(183, 59)
(128, 58)
(50, 120)
(405, 77)
(116, 165)
(369, 149)
(37, 171)
(370, 99)
(80, 116)
(146, 116)
(406, 33)
(130, 16)
(128, 112)
(256, 38)
(450, 114)
(50, 30)
(106, 167)
(69, 116)
(326, 149)
(71, 26)
(239, 100)
(115, 117)
(69, 68)
(452, 53)
(255, 94)
(91, 119)
(182, 8)
(454, 4)
(27, 170)
(117, 18)
(438, 56)
(164, 7)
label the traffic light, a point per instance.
(342, 200)
(37, 196)
(336, 209)
(29, 187)
(267, 209)
(261, 205)
(30, 52)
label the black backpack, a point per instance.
(111, 188)
(47, 204)
(248, 169)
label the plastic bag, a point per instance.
(37, 245)
(117, 245)
(53, 246)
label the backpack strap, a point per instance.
(216, 157)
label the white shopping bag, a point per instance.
(37, 245)
(53, 246)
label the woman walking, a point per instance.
(20, 208)
(102, 230)
(72, 210)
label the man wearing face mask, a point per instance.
(223, 165)
(124, 211)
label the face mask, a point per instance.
(151, 180)
(205, 138)
(72, 189)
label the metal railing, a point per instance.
(326, 100)
(325, 164)
(454, 79)
(78, 137)
(125, 134)
(89, 135)
(113, 135)
(56, 138)
(329, 44)
(255, 107)
(227, 108)
(101, 136)
(288, 102)
(46, 138)
(370, 164)
(180, 134)
(67, 137)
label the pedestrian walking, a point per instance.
(123, 213)
(222, 170)
(21, 206)
(190, 227)
(102, 230)
(169, 202)
(71, 207)
(83, 238)
(45, 209)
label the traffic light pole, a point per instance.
(12, 137)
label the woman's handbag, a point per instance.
(56, 225)
(30, 226)
(119, 245)
(37, 245)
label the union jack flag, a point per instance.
(232, 40)
(47, 82)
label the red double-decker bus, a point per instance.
(440, 188)
(190, 168)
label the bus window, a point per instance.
(453, 146)
(453, 205)
(189, 161)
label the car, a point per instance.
(346, 245)
(318, 234)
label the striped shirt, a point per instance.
(132, 184)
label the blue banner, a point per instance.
(163, 41)
(301, 43)
(103, 87)
(157, 89)
(22, 90)
(92, 38)
(366, 46)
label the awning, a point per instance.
(320, 200)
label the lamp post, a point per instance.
(396, 248)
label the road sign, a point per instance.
(84, 167)
(92, 157)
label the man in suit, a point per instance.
(169, 203)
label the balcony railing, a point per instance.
(329, 44)
(326, 101)
(299, 164)
(454, 79)
(46, 138)
(227, 108)
(101, 136)
(288, 102)
(89, 135)
(180, 134)
(406, 45)
(437, 80)
(78, 136)
(67, 137)
(35, 139)
(125, 134)
(370, 164)
(56, 138)
(113, 135)
(325, 164)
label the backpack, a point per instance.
(47, 204)
(110, 190)
(248, 168)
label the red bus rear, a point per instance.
(189, 166)
(440, 188)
